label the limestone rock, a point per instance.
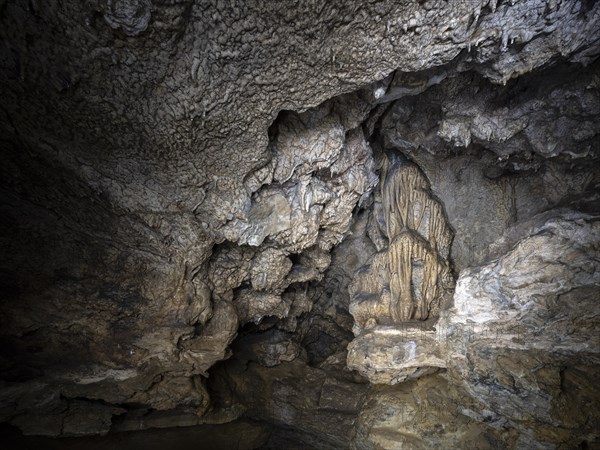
(499, 180)
(516, 324)
(163, 163)
(427, 413)
(229, 267)
(321, 406)
(406, 280)
(132, 16)
(524, 317)
(202, 348)
(389, 355)
(269, 349)
(253, 306)
(165, 394)
(269, 269)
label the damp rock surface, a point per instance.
(330, 224)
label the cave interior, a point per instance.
(300, 225)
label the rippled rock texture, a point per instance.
(363, 224)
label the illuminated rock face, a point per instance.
(407, 280)
(188, 189)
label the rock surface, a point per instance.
(298, 185)
(407, 279)
(523, 325)
(518, 326)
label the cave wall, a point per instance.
(187, 181)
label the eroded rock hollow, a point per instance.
(321, 224)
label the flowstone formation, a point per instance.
(404, 282)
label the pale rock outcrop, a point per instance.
(269, 269)
(320, 172)
(427, 413)
(524, 327)
(392, 354)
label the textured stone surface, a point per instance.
(523, 331)
(518, 327)
(422, 414)
(500, 180)
(407, 279)
(391, 354)
(320, 404)
(178, 174)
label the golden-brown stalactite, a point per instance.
(418, 235)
